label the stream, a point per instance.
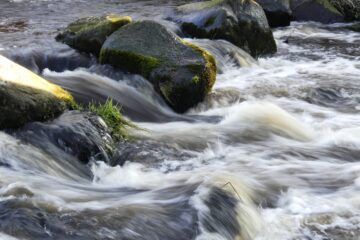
(272, 154)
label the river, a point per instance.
(272, 154)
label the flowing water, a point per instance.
(273, 153)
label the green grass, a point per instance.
(111, 114)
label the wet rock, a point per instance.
(225, 53)
(170, 214)
(181, 72)
(174, 218)
(278, 12)
(26, 97)
(88, 34)
(222, 216)
(349, 8)
(242, 23)
(80, 134)
(222, 97)
(354, 27)
(316, 10)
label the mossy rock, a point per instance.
(322, 11)
(349, 8)
(88, 34)
(26, 97)
(240, 22)
(181, 72)
(278, 12)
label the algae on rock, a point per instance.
(167, 61)
(88, 34)
(26, 97)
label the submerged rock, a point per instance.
(242, 23)
(149, 153)
(167, 214)
(316, 10)
(26, 97)
(80, 134)
(354, 27)
(88, 34)
(181, 72)
(278, 12)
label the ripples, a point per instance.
(272, 153)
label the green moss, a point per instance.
(208, 75)
(88, 23)
(89, 34)
(119, 19)
(130, 61)
(200, 5)
(195, 79)
(111, 114)
(21, 104)
(329, 6)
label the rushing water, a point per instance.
(273, 153)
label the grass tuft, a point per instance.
(111, 114)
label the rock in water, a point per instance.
(349, 8)
(316, 10)
(26, 97)
(181, 72)
(241, 22)
(278, 12)
(80, 134)
(355, 27)
(88, 34)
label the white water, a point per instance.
(288, 141)
(283, 145)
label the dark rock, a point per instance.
(349, 8)
(181, 72)
(354, 27)
(316, 10)
(80, 134)
(26, 97)
(89, 34)
(222, 216)
(242, 23)
(278, 12)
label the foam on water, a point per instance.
(281, 138)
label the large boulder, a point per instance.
(316, 10)
(181, 72)
(241, 22)
(278, 12)
(26, 97)
(88, 34)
